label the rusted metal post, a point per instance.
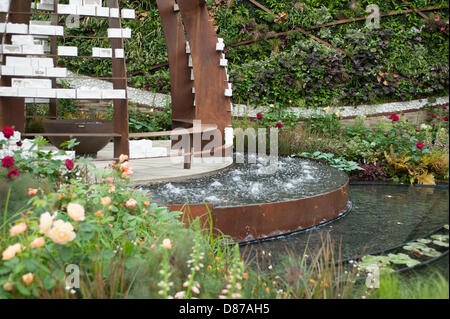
(119, 72)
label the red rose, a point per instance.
(259, 116)
(8, 131)
(69, 164)
(418, 131)
(279, 125)
(444, 107)
(19, 143)
(8, 161)
(394, 117)
(13, 173)
(446, 118)
(420, 145)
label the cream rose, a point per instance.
(167, 243)
(11, 251)
(62, 232)
(28, 278)
(75, 211)
(45, 222)
(18, 229)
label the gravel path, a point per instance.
(163, 100)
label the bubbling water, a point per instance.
(243, 184)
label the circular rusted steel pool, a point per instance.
(247, 205)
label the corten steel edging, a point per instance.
(259, 221)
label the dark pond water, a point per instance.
(382, 216)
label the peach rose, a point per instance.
(105, 200)
(146, 203)
(11, 251)
(28, 278)
(32, 191)
(131, 203)
(123, 158)
(18, 229)
(76, 211)
(98, 213)
(127, 174)
(62, 232)
(38, 242)
(167, 243)
(125, 166)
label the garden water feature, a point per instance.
(244, 184)
(381, 215)
(247, 203)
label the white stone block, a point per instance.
(45, 6)
(8, 91)
(17, 28)
(176, 7)
(7, 70)
(26, 92)
(67, 9)
(113, 94)
(119, 53)
(97, 3)
(20, 70)
(31, 83)
(22, 39)
(89, 94)
(66, 93)
(4, 5)
(114, 12)
(193, 90)
(96, 52)
(223, 62)
(86, 10)
(128, 14)
(105, 52)
(42, 29)
(14, 60)
(32, 49)
(76, 2)
(39, 71)
(114, 33)
(126, 33)
(192, 75)
(190, 61)
(42, 62)
(46, 93)
(103, 12)
(12, 49)
(188, 48)
(220, 45)
(2, 27)
(57, 72)
(67, 51)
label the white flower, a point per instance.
(62, 232)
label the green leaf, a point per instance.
(403, 259)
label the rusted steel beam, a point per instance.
(12, 109)
(212, 106)
(181, 84)
(119, 70)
